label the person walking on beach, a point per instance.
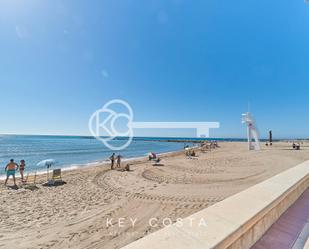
(22, 169)
(119, 161)
(112, 158)
(10, 169)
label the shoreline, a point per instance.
(90, 165)
(75, 215)
(193, 141)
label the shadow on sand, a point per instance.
(14, 187)
(31, 187)
(55, 184)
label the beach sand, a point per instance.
(85, 212)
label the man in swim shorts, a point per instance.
(10, 169)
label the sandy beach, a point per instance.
(100, 208)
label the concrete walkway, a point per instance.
(275, 210)
(290, 230)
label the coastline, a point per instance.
(96, 162)
(76, 214)
(101, 163)
(69, 152)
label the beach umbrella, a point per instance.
(47, 163)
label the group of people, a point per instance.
(113, 158)
(209, 145)
(296, 146)
(11, 169)
(190, 152)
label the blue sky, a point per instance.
(172, 60)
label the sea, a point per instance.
(71, 152)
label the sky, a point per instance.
(171, 60)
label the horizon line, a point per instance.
(66, 135)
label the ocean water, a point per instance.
(70, 152)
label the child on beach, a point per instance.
(119, 161)
(22, 169)
(127, 167)
(10, 169)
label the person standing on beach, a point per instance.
(22, 169)
(119, 161)
(112, 158)
(10, 169)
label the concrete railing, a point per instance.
(236, 222)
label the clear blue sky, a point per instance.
(172, 60)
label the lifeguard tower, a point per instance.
(252, 132)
